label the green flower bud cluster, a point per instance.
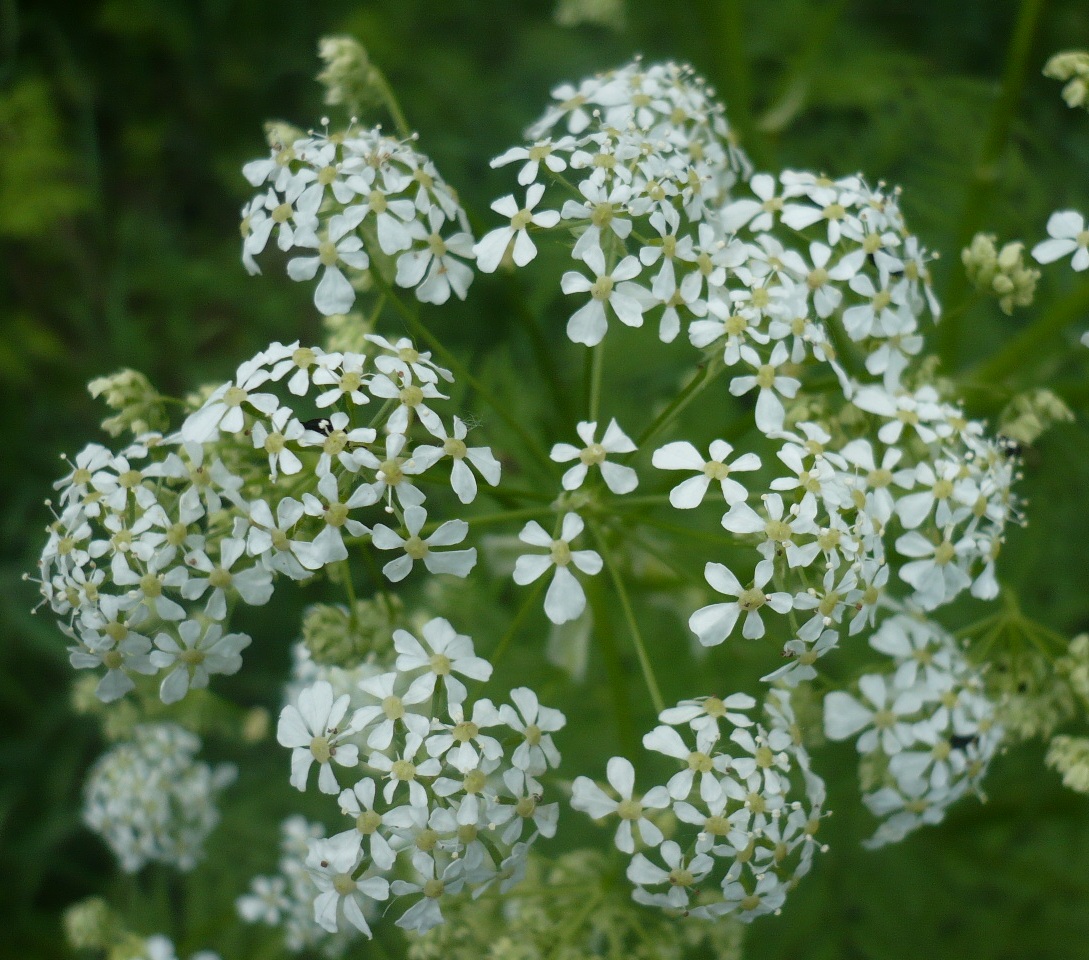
(599, 13)
(1072, 66)
(1030, 414)
(140, 408)
(89, 924)
(337, 637)
(1070, 757)
(1001, 273)
(1032, 699)
(348, 77)
(571, 909)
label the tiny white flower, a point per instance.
(589, 798)
(455, 562)
(588, 324)
(490, 248)
(565, 599)
(688, 494)
(618, 478)
(332, 864)
(315, 729)
(714, 623)
(1068, 235)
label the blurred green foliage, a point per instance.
(123, 127)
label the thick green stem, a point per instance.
(629, 615)
(986, 173)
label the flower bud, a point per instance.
(1072, 66)
(140, 406)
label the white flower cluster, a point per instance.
(824, 533)
(152, 801)
(160, 947)
(926, 730)
(285, 899)
(442, 806)
(747, 803)
(155, 545)
(643, 155)
(338, 201)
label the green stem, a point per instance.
(725, 26)
(703, 378)
(523, 611)
(985, 174)
(596, 375)
(614, 667)
(390, 100)
(629, 615)
(462, 371)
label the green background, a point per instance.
(123, 128)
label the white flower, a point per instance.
(937, 573)
(332, 864)
(666, 740)
(358, 802)
(885, 717)
(253, 585)
(1068, 235)
(769, 408)
(344, 377)
(447, 652)
(455, 562)
(688, 494)
(714, 623)
(334, 293)
(461, 477)
(328, 546)
(589, 798)
(543, 151)
(618, 478)
(565, 599)
(315, 730)
(284, 429)
(269, 537)
(490, 248)
(201, 652)
(222, 411)
(444, 273)
(588, 324)
(536, 752)
(462, 742)
(425, 914)
(682, 874)
(780, 528)
(390, 707)
(404, 769)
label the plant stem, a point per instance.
(985, 173)
(614, 667)
(462, 371)
(523, 612)
(629, 614)
(596, 374)
(703, 378)
(390, 99)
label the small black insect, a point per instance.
(1010, 447)
(322, 425)
(961, 742)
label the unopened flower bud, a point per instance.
(349, 78)
(139, 406)
(89, 924)
(1072, 66)
(1028, 415)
